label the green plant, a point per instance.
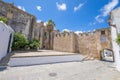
(34, 44)
(51, 22)
(3, 19)
(118, 38)
(19, 42)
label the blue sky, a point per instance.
(75, 15)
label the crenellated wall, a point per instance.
(90, 43)
(64, 42)
(93, 42)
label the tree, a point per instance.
(51, 22)
(50, 25)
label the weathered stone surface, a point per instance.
(45, 34)
(64, 42)
(85, 43)
(19, 20)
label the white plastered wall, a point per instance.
(5, 32)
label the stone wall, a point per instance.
(85, 43)
(64, 42)
(19, 20)
(37, 30)
(41, 32)
(94, 42)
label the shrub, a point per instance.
(34, 44)
(3, 19)
(19, 41)
(118, 39)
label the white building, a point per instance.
(114, 23)
(6, 38)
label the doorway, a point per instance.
(9, 42)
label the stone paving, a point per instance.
(27, 61)
(86, 70)
(25, 58)
(40, 53)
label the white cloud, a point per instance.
(92, 23)
(94, 30)
(61, 6)
(108, 7)
(67, 30)
(21, 7)
(106, 10)
(39, 8)
(89, 31)
(39, 21)
(78, 7)
(45, 23)
(78, 32)
(99, 18)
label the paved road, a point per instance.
(87, 70)
(43, 60)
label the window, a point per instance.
(118, 29)
(81, 34)
(20, 31)
(92, 33)
(86, 34)
(68, 34)
(102, 32)
(59, 35)
(56, 35)
(63, 34)
(45, 34)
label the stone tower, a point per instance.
(44, 33)
(49, 35)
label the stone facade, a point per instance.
(45, 34)
(19, 20)
(85, 43)
(64, 42)
(26, 24)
